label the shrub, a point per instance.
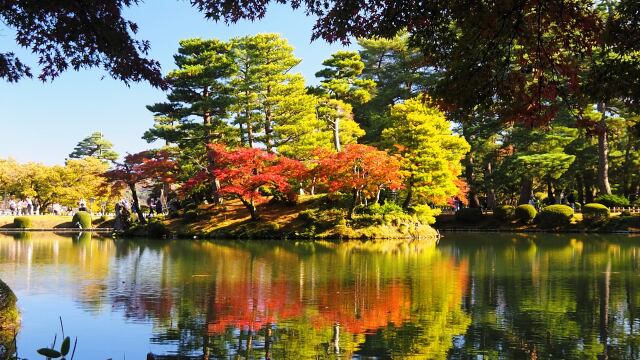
(425, 214)
(526, 213)
(626, 213)
(82, 219)
(554, 216)
(612, 200)
(22, 222)
(504, 212)
(157, 229)
(594, 212)
(190, 216)
(469, 214)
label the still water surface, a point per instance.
(471, 296)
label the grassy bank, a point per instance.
(312, 217)
(49, 222)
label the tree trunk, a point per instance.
(206, 117)
(354, 202)
(525, 190)
(579, 186)
(267, 124)
(603, 152)
(136, 203)
(336, 135)
(253, 211)
(625, 168)
(407, 200)
(550, 197)
(248, 121)
(474, 202)
(491, 192)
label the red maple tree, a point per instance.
(150, 166)
(247, 173)
(361, 170)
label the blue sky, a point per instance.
(43, 122)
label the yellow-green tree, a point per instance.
(431, 153)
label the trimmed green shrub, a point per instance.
(469, 215)
(82, 219)
(190, 216)
(157, 229)
(594, 212)
(526, 213)
(504, 212)
(554, 216)
(625, 213)
(612, 200)
(22, 222)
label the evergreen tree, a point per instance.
(431, 152)
(199, 100)
(340, 89)
(399, 72)
(94, 145)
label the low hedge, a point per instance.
(554, 216)
(595, 212)
(612, 200)
(469, 215)
(504, 212)
(526, 213)
(82, 219)
(22, 222)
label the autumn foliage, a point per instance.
(145, 167)
(248, 173)
(361, 170)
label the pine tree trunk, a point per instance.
(525, 190)
(474, 202)
(491, 192)
(625, 169)
(580, 187)
(336, 135)
(267, 123)
(603, 152)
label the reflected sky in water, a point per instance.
(471, 296)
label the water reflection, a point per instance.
(473, 296)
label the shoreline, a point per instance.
(67, 230)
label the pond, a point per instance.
(471, 296)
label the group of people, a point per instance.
(26, 206)
(155, 206)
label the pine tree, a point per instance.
(340, 89)
(431, 152)
(95, 145)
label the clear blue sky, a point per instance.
(43, 122)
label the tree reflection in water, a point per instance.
(507, 296)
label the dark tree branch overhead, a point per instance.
(524, 57)
(74, 34)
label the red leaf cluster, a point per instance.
(244, 172)
(145, 166)
(360, 168)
